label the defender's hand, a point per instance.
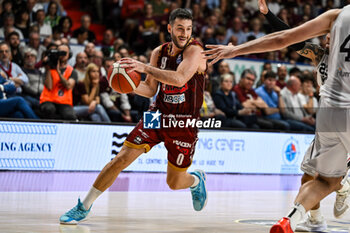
(217, 52)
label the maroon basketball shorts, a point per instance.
(180, 143)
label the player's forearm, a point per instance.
(145, 90)
(166, 76)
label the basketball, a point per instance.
(121, 81)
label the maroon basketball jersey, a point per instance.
(185, 100)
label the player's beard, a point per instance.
(174, 39)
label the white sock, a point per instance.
(296, 215)
(316, 214)
(92, 195)
(196, 181)
(344, 188)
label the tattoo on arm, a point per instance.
(312, 51)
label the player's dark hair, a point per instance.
(180, 13)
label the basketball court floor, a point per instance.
(142, 202)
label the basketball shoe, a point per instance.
(75, 215)
(341, 204)
(310, 225)
(282, 226)
(199, 193)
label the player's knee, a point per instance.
(305, 178)
(332, 183)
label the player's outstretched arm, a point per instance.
(278, 40)
(148, 88)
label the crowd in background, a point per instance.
(40, 77)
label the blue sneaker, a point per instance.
(75, 215)
(199, 193)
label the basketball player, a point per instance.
(332, 140)
(179, 68)
(315, 221)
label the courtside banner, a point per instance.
(88, 147)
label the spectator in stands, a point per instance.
(237, 31)
(35, 85)
(34, 42)
(60, 9)
(86, 96)
(12, 70)
(208, 109)
(273, 100)
(159, 7)
(85, 21)
(6, 9)
(255, 26)
(149, 29)
(198, 19)
(89, 50)
(22, 22)
(249, 99)
(117, 56)
(282, 76)
(225, 100)
(81, 39)
(45, 29)
(294, 109)
(212, 23)
(108, 38)
(13, 40)
(32, 7)
(130, 12)
(124, 52)
(16, 106)
(9, 22)
(219, 36)
(223, 68)
(97, 59)
(109, 97)
(52, 17)
(81, 63)
(65, 25)
(56, 100)
(308, 100)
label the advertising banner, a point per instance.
(88, 147)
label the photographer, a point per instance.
(56, 100)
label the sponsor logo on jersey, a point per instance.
(174, 99)
(182, 144)
(168, 89)
(342, 73)
(179, 59)
(138, 140)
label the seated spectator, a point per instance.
(85, 21)
(237, 31)
(81, 37)
(149, 28)
(255, 25)
(34, 42)
(208, 109)
(282, 76)
(108, 38)
(81, 62)
(225, 100)
(13, 40)
(223, 68)
(22, 22)
(15, 107)
(272, 99)
(294, 110)
(308, 100)
(52, 17)
(44, 28)
(97, 59)
(89, 50)
(249, 99)
(159, 7)
(12, 70)
(87, 99)
(9, 22)
(107, 99)
(56, 100)
(32, 89)
(65, 24)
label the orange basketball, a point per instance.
(121, 81)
